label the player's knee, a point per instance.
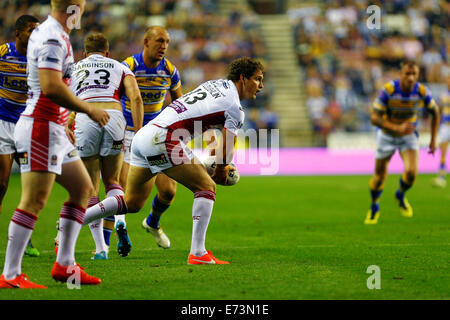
(206, 185)
(3, 187)
(378, 180)
(33, 206)
(410, 176)
(166, 195)
(133, 204)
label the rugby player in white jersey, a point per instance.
(101, 81)
(160, 147)
(45, 151)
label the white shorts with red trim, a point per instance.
(42, 145)
(154, 148)
(7, 145)
(95, 140)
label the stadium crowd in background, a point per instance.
(345, 63)
(202, 43)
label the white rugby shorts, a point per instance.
(7, 145)
(155, 148)
(91, 139)
(444, 133)
(42, 145)
(387, 144)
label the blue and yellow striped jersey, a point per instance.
(154, 83)
(398, 106)
(13, 82)
(445, 107)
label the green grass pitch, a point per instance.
(286, 238)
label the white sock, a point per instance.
(96, 228)
(108, 207)
(201, 214)
(70, 223)
(116, 190)
(19, 233)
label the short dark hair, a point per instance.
(23, 21)
(409, 63)
(245, 66)
(96, 42)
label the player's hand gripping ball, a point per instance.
(233, 173)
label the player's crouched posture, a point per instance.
(395, 114)
(101, 81)
(46, 154)
(160, 147)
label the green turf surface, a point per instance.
(285, 237)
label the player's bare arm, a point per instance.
(177, 93)
(136, 103)
(226, 145)
(377, 119)
(435, 120)
(56, 90)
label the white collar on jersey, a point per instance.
(56, 22)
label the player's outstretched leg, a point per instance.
(376, 188)
(151, 223)
(123, 240)
(166, 192)
(96, 227)
(405, 208)
(410, 160)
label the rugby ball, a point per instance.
(233, 174)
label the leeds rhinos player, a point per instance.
(13, 95)
(101, 81)
(395, 113)
(156, 76)
(444, 136)
(46, 154)
(159, 147)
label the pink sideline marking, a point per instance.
(320, 161)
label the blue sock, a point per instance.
(399, 195)
(106, 231)
(404, 186)
(375, 207)
(375, 194)
(159, 208)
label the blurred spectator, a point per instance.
(346, 63)
(203, 41)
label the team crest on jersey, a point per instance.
(54, 160)
(161, 72)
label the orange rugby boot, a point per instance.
(19, 282)
(207, 258)
(60, 273)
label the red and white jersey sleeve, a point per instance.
(99, 79)
(48, 48)
(214, 104)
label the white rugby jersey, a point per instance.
(214, 104)
(48, 48)
(99, 79)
